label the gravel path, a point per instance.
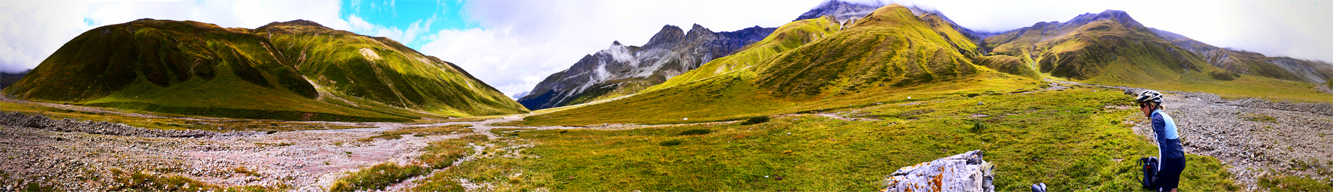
(1219, 127)
(1254, 136)
(79, 155)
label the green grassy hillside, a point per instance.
(786, 37)
(1111, 48)
(890, 47)
(1251, 63)
(890, 56)
(195, 68)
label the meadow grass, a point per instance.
(438, 155)
(1244, 87)
(733, 97)
(377, 177)
(1068, 139)
(1294, 183)
(502, 164)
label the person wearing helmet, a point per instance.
(1168, 140)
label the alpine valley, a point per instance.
(849, 96)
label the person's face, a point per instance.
(1146, 108)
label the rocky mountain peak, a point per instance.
(697, 31)
(669, 33)
(615, 43)
(840, 10)
(1117, 15)
(298, 22)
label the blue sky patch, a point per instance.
(400, 15)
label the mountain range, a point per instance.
(831, 58)
(301, 70)
(624, 69)
(298, 70)
(1251, 63)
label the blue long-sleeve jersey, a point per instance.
(1168, 140)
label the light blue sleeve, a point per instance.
(1170, 130)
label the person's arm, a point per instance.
(1158, 129)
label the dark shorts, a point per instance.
(1169, 177)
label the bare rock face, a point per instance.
(625, 69)
(840, 10)
(961, 172)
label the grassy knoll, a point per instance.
(1067, 139)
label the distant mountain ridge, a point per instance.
(622, 69)
(1112, 47)
(840, 10)
(295, 70)
(7, 79)
(848, 12)
(901, 54)
(595, 87)
(1251, 63)
(1107, 47)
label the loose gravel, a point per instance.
(1296, 141)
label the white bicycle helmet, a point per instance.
(1149, 96)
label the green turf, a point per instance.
(1067, 139)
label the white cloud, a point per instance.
(29, 28)
(1296, 28)
(32, 30)
(522, 42)
(411, 34)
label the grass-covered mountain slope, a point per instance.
(1251, 63)
(291, 70)
(786, 37)
(622, 69)
(1111, 48)
(890, 47)
(1092, 45)
(797, 34)
(891, 55)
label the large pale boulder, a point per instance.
(961, 172)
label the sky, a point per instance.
(514, 44)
